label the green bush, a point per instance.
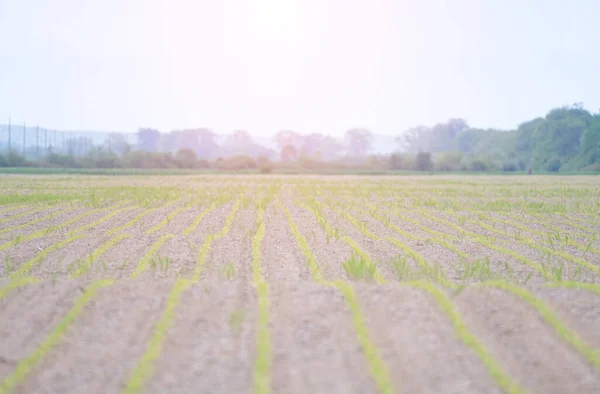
(264, 164)
(449, 161)
(479, 165)
(423, 161)
(510, 166)
(553, 165)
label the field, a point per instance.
(299, 284)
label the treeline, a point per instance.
(566, 139)
(99, 158)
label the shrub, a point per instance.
(186, 158)
(423, 161)
(449, 161)
(510, 166)
(479, 165)
(553, 165)
(264, 164)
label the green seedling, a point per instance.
(17, 240)
(160, 263)
(478, 270)
(7, 266)
(401, 268)
(236, 321)
(228, 271)
(359, 268)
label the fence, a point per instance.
(36, 143)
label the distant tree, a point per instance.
(168, 141)
(397, 161)
(264, 164)
(238, 140)
(455, 126)
(411, 139)
(359, 141)
(423, 161)
(289, 137)
(188, 139)
(312, 144)
(479, 165)
(186, 158)
(553, 165)
(330, 148)
(208, 147)
(590, 143)
(449, 161)
(289, 153)
(559, 135)
(148, 139)
(116, 143)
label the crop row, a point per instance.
(446, 305)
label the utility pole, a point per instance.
(46, 142)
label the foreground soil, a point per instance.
(223, 290)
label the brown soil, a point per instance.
(529, 349)
(123, 316)
(28, 315)
(211, 345)
(330, 253)
(419, 343)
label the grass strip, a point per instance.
(551, 318)
(504, 381)
(145, 366)
(26, 365)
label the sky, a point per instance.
(306, 65)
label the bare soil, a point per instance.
(211, 344)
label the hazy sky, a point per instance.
(308, 65)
